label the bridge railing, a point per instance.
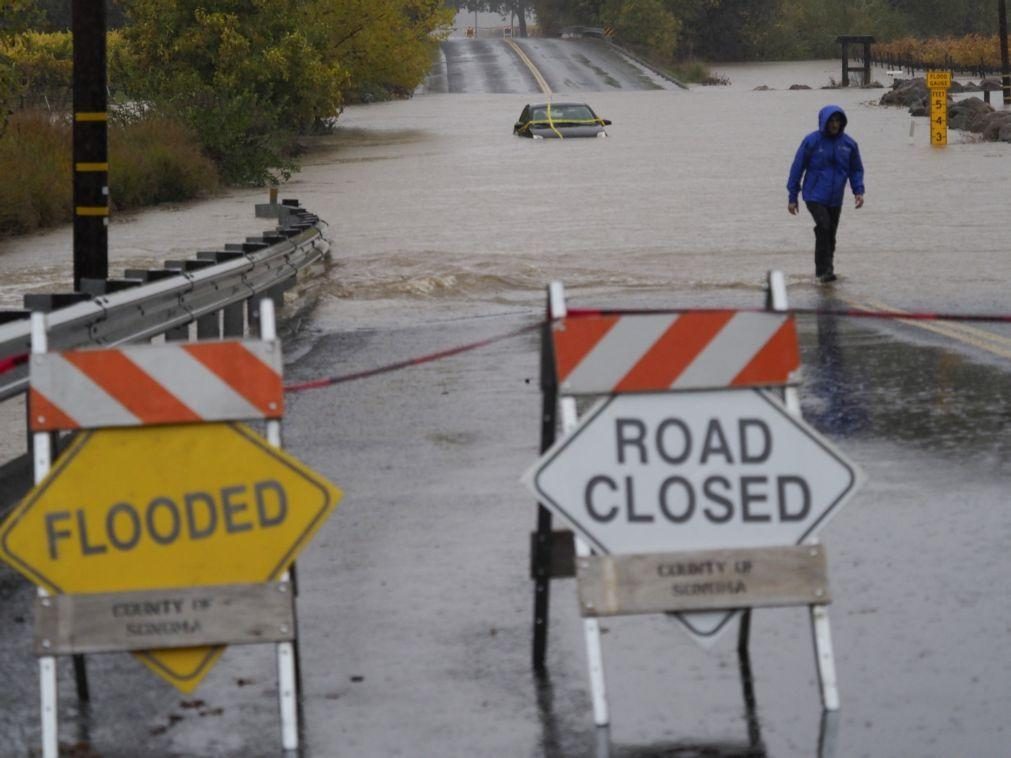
(193, 291)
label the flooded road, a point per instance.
(415, 606)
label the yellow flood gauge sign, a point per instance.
(163, 507)
(938, 82)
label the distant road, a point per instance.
(579, 65)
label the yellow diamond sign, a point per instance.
(163, 507)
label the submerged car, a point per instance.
(560, 120)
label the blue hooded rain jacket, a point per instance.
(825, 163)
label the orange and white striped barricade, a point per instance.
(165, 528)
(693, 487)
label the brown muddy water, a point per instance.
(433, 199)
(438, 216)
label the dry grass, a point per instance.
(35, 178)
(152, 160)
(156, 160)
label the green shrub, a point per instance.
(40, 67)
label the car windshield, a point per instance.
(563, 113)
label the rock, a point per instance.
(906, 93)
(762, 88)
(965, 114)
(919, 109)
(990, 85)
(1004, 135)
(875, 85)
(799, 86)
(995, 124)
(956, 87)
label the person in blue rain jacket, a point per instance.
(825, 161)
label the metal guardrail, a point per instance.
(258, 266)
(646, 64)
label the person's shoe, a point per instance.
(826, 278)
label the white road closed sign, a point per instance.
(693, 471)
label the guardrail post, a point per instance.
(178, 334)
(209, 326)
(253, 314)
(276, 293)
(233, 321)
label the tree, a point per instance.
(645, 24)
(519, 8)
(245, 76)
(250, 75)
(16, 17)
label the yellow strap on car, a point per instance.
(551, 122)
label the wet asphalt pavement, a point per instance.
(415, 608)
(489, 66)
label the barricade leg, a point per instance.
(542, 587)
(42, 456)
(824, 657)
(594, 657)
(81, 679)
(287, 695)
(777, 301)
(591, 627)
(47, 692)
(544, 542)
(744, 634)
(287, 684)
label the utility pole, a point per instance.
(1005, 65)
(91, 143)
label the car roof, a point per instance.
(556, 105)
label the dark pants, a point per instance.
(826, 220)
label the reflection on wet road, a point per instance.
(867, 383)
(491, 66)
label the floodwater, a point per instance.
(415, 604)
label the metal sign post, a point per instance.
(701, 503)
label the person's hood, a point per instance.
(826, 113)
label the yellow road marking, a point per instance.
(996, 344)
(541, 81)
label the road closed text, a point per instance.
(165, 521)
(717, 474)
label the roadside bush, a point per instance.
(156, 160)
(35, 190)
(152, 160)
